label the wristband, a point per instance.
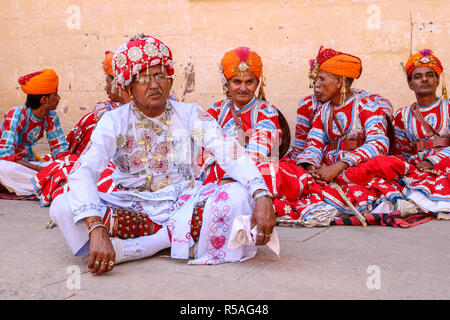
(100, 224)
(263, 193)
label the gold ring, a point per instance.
(261, 234)
(97, 263)
(268, 235)
(111, 263)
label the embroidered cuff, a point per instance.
(256, 184)
(88, 210)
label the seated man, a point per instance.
(52, 181)
(257, 126)
(23, 126)
(80, 135)
(349, 130)
(423, 135)
(308, 107)
(158, 204)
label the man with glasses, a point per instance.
(159, 204)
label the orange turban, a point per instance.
(424, 58)
(40, 82)
(335, 62)
(238, 61)
(107, 63)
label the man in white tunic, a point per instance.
(153, 141)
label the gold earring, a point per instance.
(343, 91)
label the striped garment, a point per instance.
(80, 135)
(20, 130)
(408, 130)
(262, 131)
(307, 108)
(52, 181)
(101, 107)
(360, 118)
(260, 122)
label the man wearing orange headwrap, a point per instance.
(308, 107)
(251, 119)
(51, 182)
(423, 134)
(348, 136)
(23, 126)
(261, 129)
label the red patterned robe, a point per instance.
(295, 192)
(435, 186)
(20, 130)
(308, 107)
(362, 119)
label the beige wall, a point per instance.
(71, 37)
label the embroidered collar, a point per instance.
(246, 107)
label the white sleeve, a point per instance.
(230, 155)
(83, 195)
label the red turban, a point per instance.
(40, 82)
(424, 58)
(240, 60)
(335, 62)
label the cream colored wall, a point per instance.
(71, 37)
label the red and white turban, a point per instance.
(139, 53)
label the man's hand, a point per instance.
(30, 165)
(101, 252)
(328, 173)
(309, 167)
(264, 218)
(38, 168)
(425, 165)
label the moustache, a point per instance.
(153, 92)
(243, 92)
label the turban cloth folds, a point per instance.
(139, 53)
(337, 63)
(41, 82)
(424, 58)
(240, 60)
(107, 63)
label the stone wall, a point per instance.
(71, 37)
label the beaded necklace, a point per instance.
(162, 157)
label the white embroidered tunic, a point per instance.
(138, 145)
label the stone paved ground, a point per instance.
(337, 262)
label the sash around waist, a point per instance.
(346, 144)
(435, 143)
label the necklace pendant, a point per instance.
(162, 184)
